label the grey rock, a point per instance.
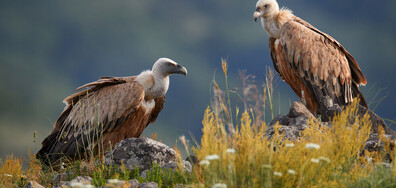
(148, 185)
(142, 152)
(174, 166)
(297, 120)
(33, 184)
(84, 180)
(134, 183)
(115, 183)
(293, 123)
(144, 174)
(59, 177)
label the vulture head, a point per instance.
(265, 9)
(166, 67)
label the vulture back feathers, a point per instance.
(108, 111)
(313, 63)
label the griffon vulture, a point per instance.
(313, 63)
(108, 111)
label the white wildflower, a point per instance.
(212, 157)
(219, 185)
(278, 174)
(312, 146)
(290, 171)
(230, 150)
(63, 165)
(289, 145)
(266, 166)
(7, 175)
(315, 160)
(324, 159)
(204, 163)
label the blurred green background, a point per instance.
(48, 48)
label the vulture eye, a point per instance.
(178, 66)
(258, 9)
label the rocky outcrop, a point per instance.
(293, 123)
(142, 153)
(296, 121)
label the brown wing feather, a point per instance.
(321, 63)
(357, 74)
(287, 73)
(134, 124)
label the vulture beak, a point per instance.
(181, 70)
(257, 14)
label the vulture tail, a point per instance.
(356, 93)
(47, 154)
(55, 151)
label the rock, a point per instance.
(293, 123)
(299, 110)
(115, 183)
(328, 109)
(373, 143)
(144, 174)
(140, 152)
(174, 166)
(59, 177)
(134, 183)
(192, 159)
(148, 185)
(79, 181)
(33, 184)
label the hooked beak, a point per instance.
(256, 15)
(182, 70)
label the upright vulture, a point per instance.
(108, 111)
(313, 63)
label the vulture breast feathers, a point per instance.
(108, 111)
(313, 63)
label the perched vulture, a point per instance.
(108, 111)
(313, 63)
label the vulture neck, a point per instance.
(273, 24)
(161, 85)
(155, 84)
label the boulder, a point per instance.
(140, 152)
(79, 181)
(33, 184)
